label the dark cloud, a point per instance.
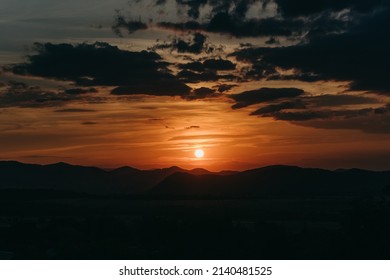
(193, 6)
(311, 107)
(204, 91)
(237, 7)
(219, 64)
(156, 119)
(193, 66)
(17, 94)
(262, 95)
(307, 7)
(160, 88)
(272, 41)
(193, 127)
(182, 26)
(331, 100)
(225, 23)
(286, 8)
(161, 2)
(201, 93)
(271, 109)
(74, 110)
(76, 91)
(209, 64)
(359, 56)
(225, 87)
(325, 114)
(383, 110)
(120, 23)
(206, 76)
(293, 19)
(230, 17)
(196, 43)
(300, 116)
(101, 64)
(89, 123)
(270, 73)
(369, 122)
(258, 71)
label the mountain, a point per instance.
(133, 180)
(65, 177)
(276, 181)
(174, 181)
(59, 176)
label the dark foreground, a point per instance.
(50, 225)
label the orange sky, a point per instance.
(153, 131)
(164, 131)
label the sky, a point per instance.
(145, 83)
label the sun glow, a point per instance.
(199, 153)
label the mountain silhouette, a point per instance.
(276, 180)
(67, 177)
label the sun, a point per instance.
(199, 153)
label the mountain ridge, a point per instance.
(274, 180)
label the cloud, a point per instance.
(261, 95)
(300, 116)
(369, 123)
(194, 6)
(101, 64)
(208, 136)
(159, 88)
(131, 26)
(74, 110)
(196, 43)
(307, 8)
(359, 56)
(201, 93)
(324, 114)
(209, 64)
(225, 23)
(206, 76)
(219, 64)
(272, 41)
(75, 91)
(313, 103)
(17, 94)
(332, 100)
(231, 18)
(225, 87)
(292, 19)
(323, 107)
(193, 127)
(191, 25)
(274, 108)
(206, 71)
(286, 8)
(193, 66)
(370, 120)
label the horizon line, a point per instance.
(185, 169)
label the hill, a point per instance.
(276, 180)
